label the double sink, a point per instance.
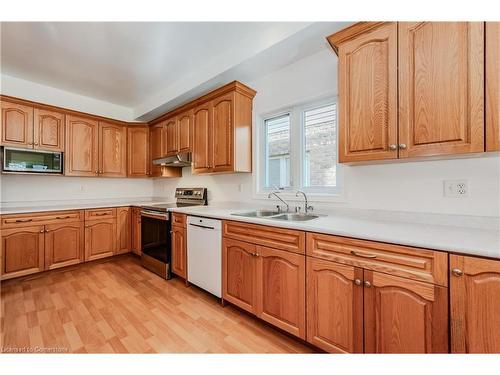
(277, 215)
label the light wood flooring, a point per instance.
(119, 307)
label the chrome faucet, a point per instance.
(306, 204)
(275, 193)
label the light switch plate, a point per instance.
(456, 188)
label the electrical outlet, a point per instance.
(456, 188)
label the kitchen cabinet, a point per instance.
(123, 230)
(112, 150)
(223, 128)
(64, 244)
(422, 89)
(239, 274)
(179, 251)
(202, 143)
(17, 124)
(22, 251)
(185, 130)
(281, 289)
(171, 137)
(100, 233)
(136, 231)
(48, 130)
(138, 160)
(475, 304)
(82, 138)
(492, 86)
(334, 306)
(156, 139)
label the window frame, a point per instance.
(297, 150)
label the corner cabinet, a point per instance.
(422, 89)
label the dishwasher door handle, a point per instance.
(201, 226)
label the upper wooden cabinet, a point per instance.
(112, 150)
(138, 162)
(438, 70)
(185, 130)
(28, 127)
(492, 86)
(475, 305)
(171, 134)
(368, 95)
(82, 138)
(202, 143)
(156, 141)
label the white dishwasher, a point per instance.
(204, 254)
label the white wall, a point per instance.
(402, 186)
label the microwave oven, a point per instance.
(33, 161)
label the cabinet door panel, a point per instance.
(281, 289)
(22, 251)
(334, 307)
(368, 96)
(223, 133)
(441, 88)
(492, 86)
(179, 260)
(17, 125)
(202, 153)
(239, 274)
(184, 126)
(404, 316)
(123, 227)
(156, 142)
(49, 130)
(136, 231)
(100, 239)
(81, 156)
(171, 137)
(112, 150)
(475, 305)
(64, 244)
(138, 151)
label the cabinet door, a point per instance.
(124, 229)
(475, 305)
(171, 137)
(185, 128)
(223, 133)
(334, 306)
(81, 156)
(22, 251)
(156, 147)
(179, 260)
(281, 281)
(112, 150)
(17, 125)
(492, 86)
(404, 316)
(368, 124)
(64, 244)
(441, 81)
(136, 231)
(48, 130)
(138, 151)
(100, 238)
(239, 278)
(202, 152)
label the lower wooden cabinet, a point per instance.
(100, 238)
(334, 306)
(179, 251)
(136, 231)
(22, 251)
(64, 244)
(123, 230)
(475, 305)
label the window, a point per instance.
(299, 149)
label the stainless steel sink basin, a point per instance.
(294, 217)
(258, 213)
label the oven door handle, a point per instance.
(201, 226)
(154, 216)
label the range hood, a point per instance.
(180, 160)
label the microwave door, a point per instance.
(36, 161)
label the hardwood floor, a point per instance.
(119, 307)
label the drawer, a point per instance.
(278, 238)
(179, 219)
(413, 263)
(101, 213)
(40, 218)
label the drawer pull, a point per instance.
(362, 255)
(63, 217)
(23, 220)
(101, 214)
(457, 272)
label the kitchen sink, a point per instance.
(294, 217)
(258, 213)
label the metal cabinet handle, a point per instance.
(36, 144)
(362, 255)
(357, 281)
(393, 147)
(402, 146)
(47, 231)
(457, 272)
(42, 231)
(101, 213)
(23, 220)
(368, 284)
(63, 217)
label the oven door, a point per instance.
(155, 235)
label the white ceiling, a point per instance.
(146, 66)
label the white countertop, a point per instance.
(461, 234)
